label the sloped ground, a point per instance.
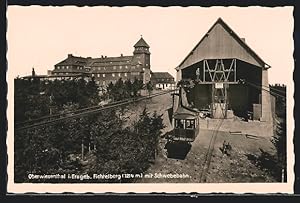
(234, 168)
(160, 104)
(187, 161)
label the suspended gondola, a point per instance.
(185, 121)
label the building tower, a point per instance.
(141, 57)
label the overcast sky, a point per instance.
(40, 37)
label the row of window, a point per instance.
(142, 48)
(68, 67)
(113, 74)
(185, 123)
(114, 67)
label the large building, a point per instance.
(109, 69)
(228, 76)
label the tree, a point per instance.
(137, 86)
(149, 87)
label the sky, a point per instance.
(40, 37)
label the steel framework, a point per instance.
(220, 77)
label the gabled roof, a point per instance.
(252, 56)
(73, 60)
(161, 75)
(141, 43)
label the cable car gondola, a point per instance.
(185, 121)
(186, 125)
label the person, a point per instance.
(198, 73)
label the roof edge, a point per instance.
(222, 22)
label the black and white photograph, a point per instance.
(150, 99)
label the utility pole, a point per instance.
(82, 150)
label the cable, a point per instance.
(89, 112)
(281, 91)
(210, 150)
(75, 111)
(261, 88)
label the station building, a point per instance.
(226, 76)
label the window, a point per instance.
(67, 67)
(115, 67)
(134, 73)
(98, 75)
(179, 123)
(103, 82)
(58, 67)
(103, 75)
(125, 74)
(93, 75)
(99, 68)
(126, 67)
(189, 124)
(62, 67)
(119, 74)
(113, 74)
(120, 67)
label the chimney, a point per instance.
(89, 57)
(121, 55)
(102, 56)
(243, 39)
(70, 55)
(33, 72)
(105, 56)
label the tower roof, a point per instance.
(141, 43)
